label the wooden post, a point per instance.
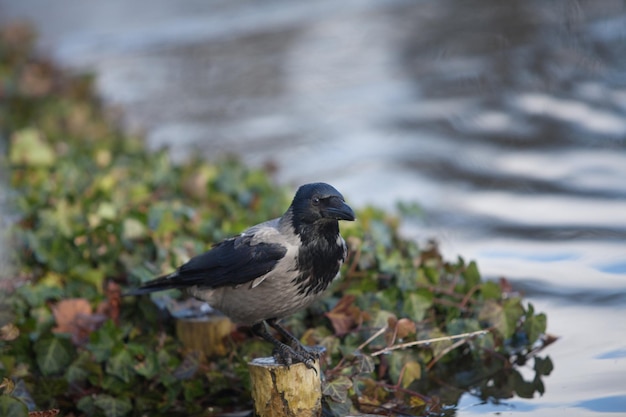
(205, 334)
(278, 391)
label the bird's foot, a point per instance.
(310, 352)
(287, 355)
(293, 352)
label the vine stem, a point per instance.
(444, 353)
(374, 336)
(427, 341)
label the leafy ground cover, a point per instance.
(93, 212)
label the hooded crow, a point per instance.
(271, 270)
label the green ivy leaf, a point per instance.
(81, 368)
(504, 317)
(149, 368)
(364, 364)
(111, 406)
(88, 274)
(104, 340)
(471, 276)
(523, 389)
(381, 319)
(193, 389)
(337, 389)
(407, 281)
(11, 407)
(535, 326)
(493, 313)
(29, 148)
(412, 372)
(513, 312)
(459, 326)
(397, 360)
(417, 303)
(87, 405)
(121, 365)
(543, 366)
(439, 347)
(340, 409)
(432, 274)
(491, 290)
(133, 229)
(53, 355)
(50, 388)
(36, 295)
(539, 386)
(21, 392)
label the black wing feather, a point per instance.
(231, 262)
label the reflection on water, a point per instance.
(506, 121)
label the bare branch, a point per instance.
(427, 341)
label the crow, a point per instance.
(271, 270)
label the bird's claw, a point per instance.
(287, 355)
(310, 352)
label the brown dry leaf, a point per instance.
(549, 339)
(7, 386)
(391, 332)
(345, 316)
(111, 307)
(74, 316)
(505, 286)
(66, 311)
(9, 332)
(405, 327)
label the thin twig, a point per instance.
(469, 295)
(374, 336)
(444, 353)
(424, 398)
(441, 290)
(368, 341)
(425, 342)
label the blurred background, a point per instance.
(505, 122)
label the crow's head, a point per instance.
(319, 202)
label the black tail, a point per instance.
(165, 282)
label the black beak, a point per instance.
(339, 210)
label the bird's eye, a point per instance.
(316, 200)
